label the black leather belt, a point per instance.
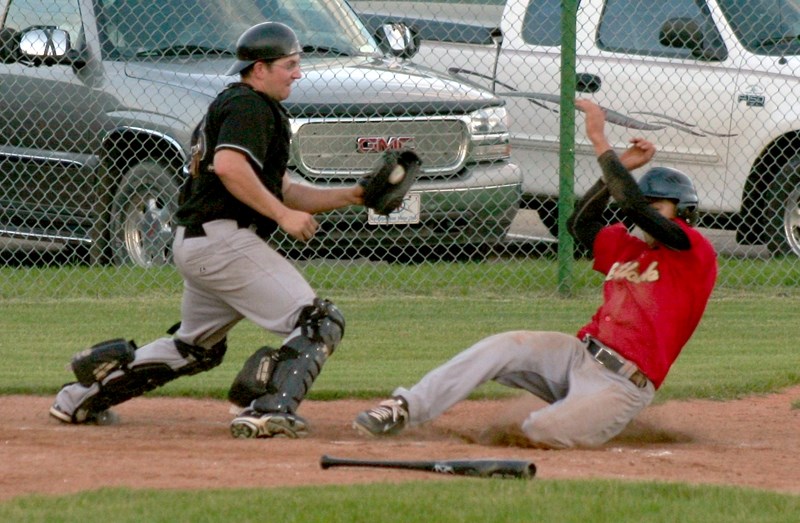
(609, 360)
(195, 230)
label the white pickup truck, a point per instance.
(714, 83)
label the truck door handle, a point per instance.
(587, 83)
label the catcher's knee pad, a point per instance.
(162, 363)
(322, 322)
(100, 360)
(278, 380)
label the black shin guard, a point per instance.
(292, 369)
(297, 365)
(132, 380)
(128, 384)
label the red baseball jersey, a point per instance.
(653, 297)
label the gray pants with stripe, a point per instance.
(588, 403)
(229, 274)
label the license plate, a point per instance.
(407, 213)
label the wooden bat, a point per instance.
(482, 468)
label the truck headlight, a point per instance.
(489, 131)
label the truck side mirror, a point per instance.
(398, 39)
(497, 36)
(46, 45)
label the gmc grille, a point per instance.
(323, 149)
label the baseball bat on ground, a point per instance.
(482, 468)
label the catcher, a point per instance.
(238, 194)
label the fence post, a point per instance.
(566, 188)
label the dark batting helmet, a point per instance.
(266, 41)
(671, 184)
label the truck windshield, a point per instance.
(143, 28)
(765, 27)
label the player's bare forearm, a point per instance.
(640, 151)
(313, 200)
(595, 125)
(241, 181)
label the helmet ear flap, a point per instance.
(689, 214)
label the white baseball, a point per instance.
(397, 175)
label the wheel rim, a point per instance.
(791, 222)
(147, 232)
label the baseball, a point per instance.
(397, 175)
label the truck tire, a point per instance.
(783, 215)
(141, 216)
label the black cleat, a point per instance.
(388, 418)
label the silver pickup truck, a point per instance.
(99, 98)
(714, 83)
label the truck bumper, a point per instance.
(475, 209)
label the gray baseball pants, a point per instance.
(588, 403)
(229, 274)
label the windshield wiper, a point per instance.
(184, 50)
(319, 49)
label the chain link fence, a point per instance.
(99, 99)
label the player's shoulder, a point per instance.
(240, 98)
(613, 232)
(240, 92)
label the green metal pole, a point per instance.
(566, 188)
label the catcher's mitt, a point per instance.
(385, 188)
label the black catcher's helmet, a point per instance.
(671, 184)
(265, 41)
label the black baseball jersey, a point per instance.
(242, 119)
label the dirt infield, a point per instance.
(185, 444)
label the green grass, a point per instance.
(396, 332)
(518, 277)
(458, 500)
(744, 345)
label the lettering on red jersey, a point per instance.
(630, 271)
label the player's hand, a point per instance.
(298, 224)
(595, 118)
(639, 153)
(595, 125)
